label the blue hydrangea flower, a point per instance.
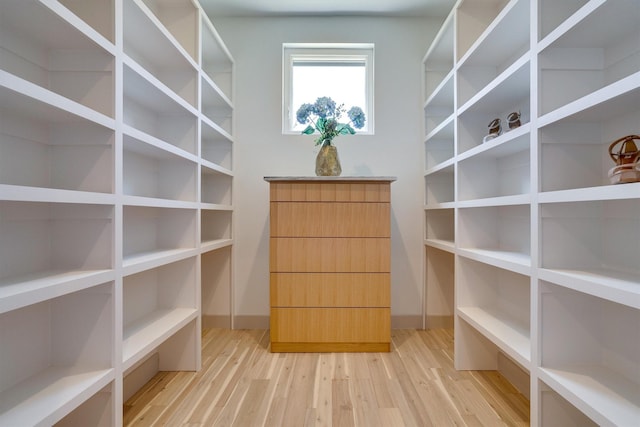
(325, 107)
(356, 115)
(304, 112)
(324, 117)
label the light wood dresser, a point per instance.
(330, 266)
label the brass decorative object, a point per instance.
(328, 162)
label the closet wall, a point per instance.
(116, 203)
(264, 151)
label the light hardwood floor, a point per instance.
(243, 384)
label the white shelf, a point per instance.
(58, 350)
(510, 142)
(615, 100)
(445, 166)
(155, 173)
(596, 367)
(146, 334)
(142, 261)
(439, 109)
(116, 177)
(440, 186)
(211, 168)
(556, 18)
(495, 51)
(508, 260)
(609, 192)
(181, 19)
(38, 102)
(20, 291)
(213, 245)
(435, 206)
(507, 94)
(18, 193)
(48, 396)
(598, 48)
(46, 147)
(608, 284)
(216, 186)
(544, 248)
(500, 172)
(442, 95)
(507, 333)
(141, 136)
(50, 49)
(438, 61)
(215, 225)
(507, 89)
(439, 145)
(607, 397)
(473, 19)
(216, 145)
(152, 110)
(152, 46)
(216, 61)
(443, 245)
(519, 199)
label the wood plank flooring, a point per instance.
(242, 384)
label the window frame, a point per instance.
(326, 52)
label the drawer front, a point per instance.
(322, 219)
(330, 290)
(330, 192)
(330, 255)
(331, 325)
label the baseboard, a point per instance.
(262, 322)
(440, 322)
(251, 322)
(406, 322)
(216, 321)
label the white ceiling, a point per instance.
(434, 8)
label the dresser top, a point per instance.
(331, 178)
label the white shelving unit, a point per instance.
(541, 249)
(116, 173)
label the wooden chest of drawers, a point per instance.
(330, 264)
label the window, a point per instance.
(343, 72)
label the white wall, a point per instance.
(261, 149)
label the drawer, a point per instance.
(330, 290)
(331, 325)
(330, 255)
(330, 191)
(324, 219)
